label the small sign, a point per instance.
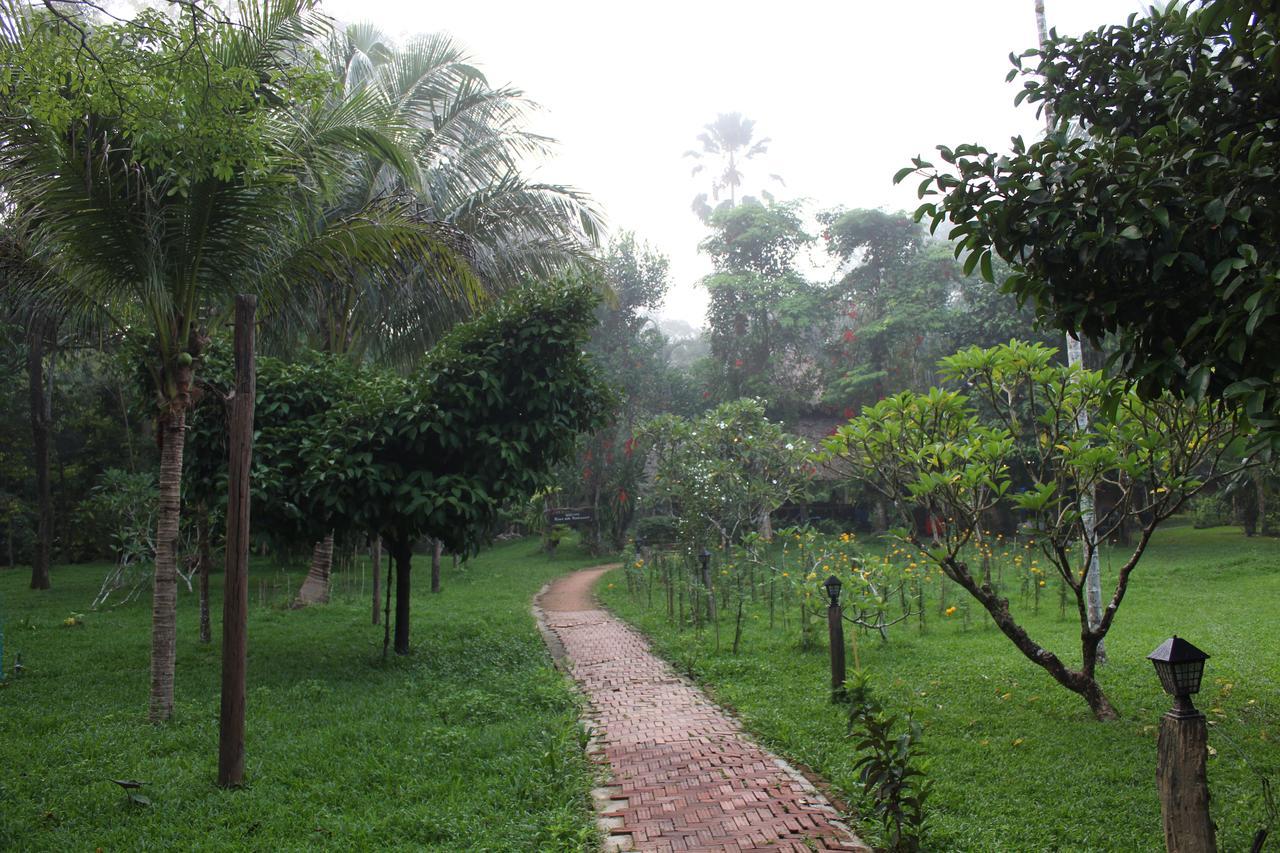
(571, 515)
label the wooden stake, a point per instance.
(235, 595)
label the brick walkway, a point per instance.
(684, 776)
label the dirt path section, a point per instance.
(684, 776)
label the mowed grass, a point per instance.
(470, 743)
(1018, 763)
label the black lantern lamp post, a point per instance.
(1182, 751)
(835, 637)
(832, 586)
(1180, 666)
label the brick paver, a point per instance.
(684, 776)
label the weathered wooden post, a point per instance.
(235, 594)
(1183, 751)
(375, 561)
(704, 561)
(835, 637)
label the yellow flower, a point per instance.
(1041, 583)
(786, 574)
(639, 564)
(811, 576)
(950, 610)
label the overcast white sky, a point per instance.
(847, 91)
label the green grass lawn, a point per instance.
(470, 743)
(1018, 762)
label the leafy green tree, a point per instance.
(958, 456)
(1154, 225)
(167, 162)
(631, 353)
(756, 284)
(496, 406)
(902, 302)
(723, 474)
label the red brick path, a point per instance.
(684, 776)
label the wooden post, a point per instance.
(835, 638)
(1183, 752)
(375, 558)
(437, 548)
(235, 594)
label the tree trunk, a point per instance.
(402, 552)
(164, 599)
(1083, 683)
(202, 534)
(41, 416)
(436, 550)
(235, 595)
(879, 518)
(315, 589)
(375, 559)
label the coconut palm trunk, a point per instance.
(164, 601)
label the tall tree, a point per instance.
(754, 248)
(174, 160)
(1157, 229)
(726, 143)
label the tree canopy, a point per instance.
(1148, 216)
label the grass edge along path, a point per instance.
(472, 742)
(1017, 762)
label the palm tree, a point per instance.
(468, 141)
(191, 166)
(729, 142)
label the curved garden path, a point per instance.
(683, 775)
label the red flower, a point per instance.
(622, 496)
(849, 335)
(737, 362)
(848, 412)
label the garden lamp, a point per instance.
(705, 559)
(1180, 666)
(832, 585)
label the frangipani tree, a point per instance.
(724, 474)
(1011, 441)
